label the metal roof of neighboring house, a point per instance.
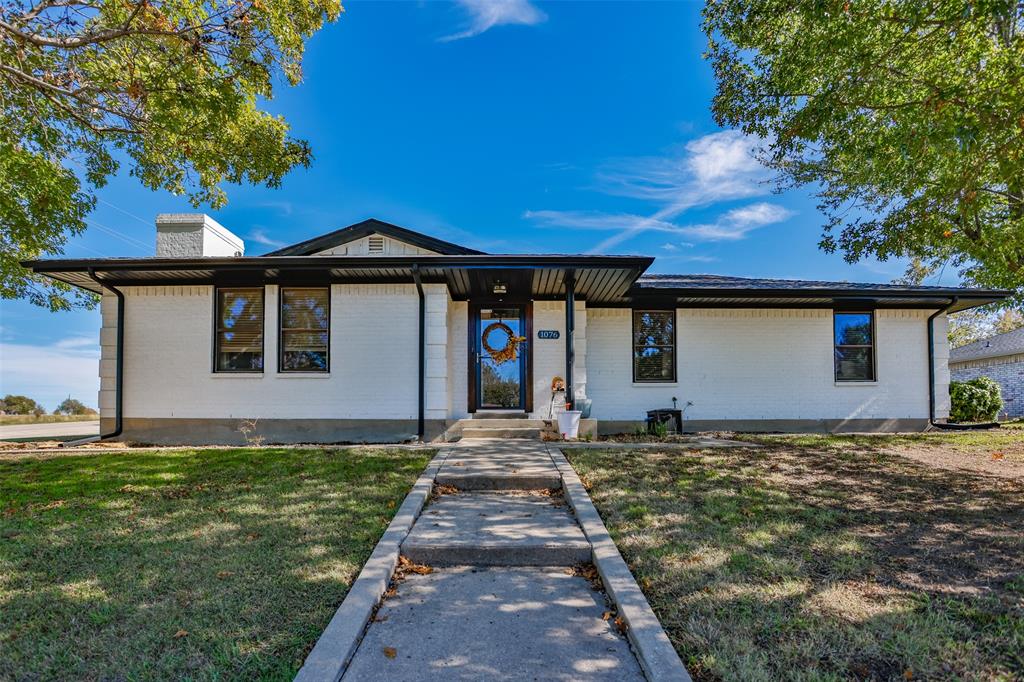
(1008, 343)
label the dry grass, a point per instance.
(19, 419)
(823, 557)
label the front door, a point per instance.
(499, 357)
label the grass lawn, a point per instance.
(185, 564)
(18, 419)
(821, 558)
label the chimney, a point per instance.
(191, 235)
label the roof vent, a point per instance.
(375, 244)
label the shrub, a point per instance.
(977, 400)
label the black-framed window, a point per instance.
(654, 345)
(305, 324)
(238, 330)
(854, 334)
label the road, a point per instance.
(56, 429)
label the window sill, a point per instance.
(303, 375)
(856, 383)
(655, 384)
(236, 375)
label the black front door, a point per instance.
(500, 347)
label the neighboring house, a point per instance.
(378, 333)
(1000, 357)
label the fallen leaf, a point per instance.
(606, 615)
(390, 651)
(180, 633)
(621, 625)
(391, 504)
(252, 536)
(225, 574)
(908, 674)
(997, 455)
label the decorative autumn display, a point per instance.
(508, 352)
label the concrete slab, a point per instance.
(46, 430)
(493, 624)
(499, 465)
(493, 529)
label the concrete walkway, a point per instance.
(503, 601)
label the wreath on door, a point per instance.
(508, 352)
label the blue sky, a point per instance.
(511, 127)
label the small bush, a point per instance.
(977, 400)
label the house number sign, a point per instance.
(547, 333)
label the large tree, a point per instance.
(171, 88)
(905, 116)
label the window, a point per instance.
(239, 330)
(654, 345)
(855, 346)
(305, 329)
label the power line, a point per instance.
(127, 213)
(119, 235)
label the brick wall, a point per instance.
(1007, 371)
(762, 364)
(374, 358)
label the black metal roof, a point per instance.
(716, 290)
(366, 228)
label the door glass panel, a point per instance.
(501, 358)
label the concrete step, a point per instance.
(496, 529)
(501, 432)
(482, 423)
(499, 465)
(499, 414)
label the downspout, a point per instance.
(570, 328)
(420, 427)
(118, 362)
(931, 377)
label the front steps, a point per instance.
(494, 529)
(491, 427)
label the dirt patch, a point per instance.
(1006, 461)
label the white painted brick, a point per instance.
(760, 364)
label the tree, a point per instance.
(72, 406)
(170, 88)
(20, 404)
(906, 117)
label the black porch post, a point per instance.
(570, 328)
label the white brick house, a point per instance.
(378, 333)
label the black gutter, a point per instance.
(118, 363)
(420, 427)
(931, 378)
(570, 328)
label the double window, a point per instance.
(304, 324)
(854, 346)
(654, 345)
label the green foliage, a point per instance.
(20, 404)
(173, 88)
(907, 118)
(498, 390)
(977, 400)
(72, 406)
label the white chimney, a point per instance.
(190, 235)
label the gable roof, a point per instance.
(366, 228)
(1008, 343)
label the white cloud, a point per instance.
(731, 226)
(736, 223)
(486, 14)
(714, 168)
(260, 237)
(669, 247)
(48, 374)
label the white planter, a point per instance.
(569, 424)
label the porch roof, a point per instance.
(601, 279)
